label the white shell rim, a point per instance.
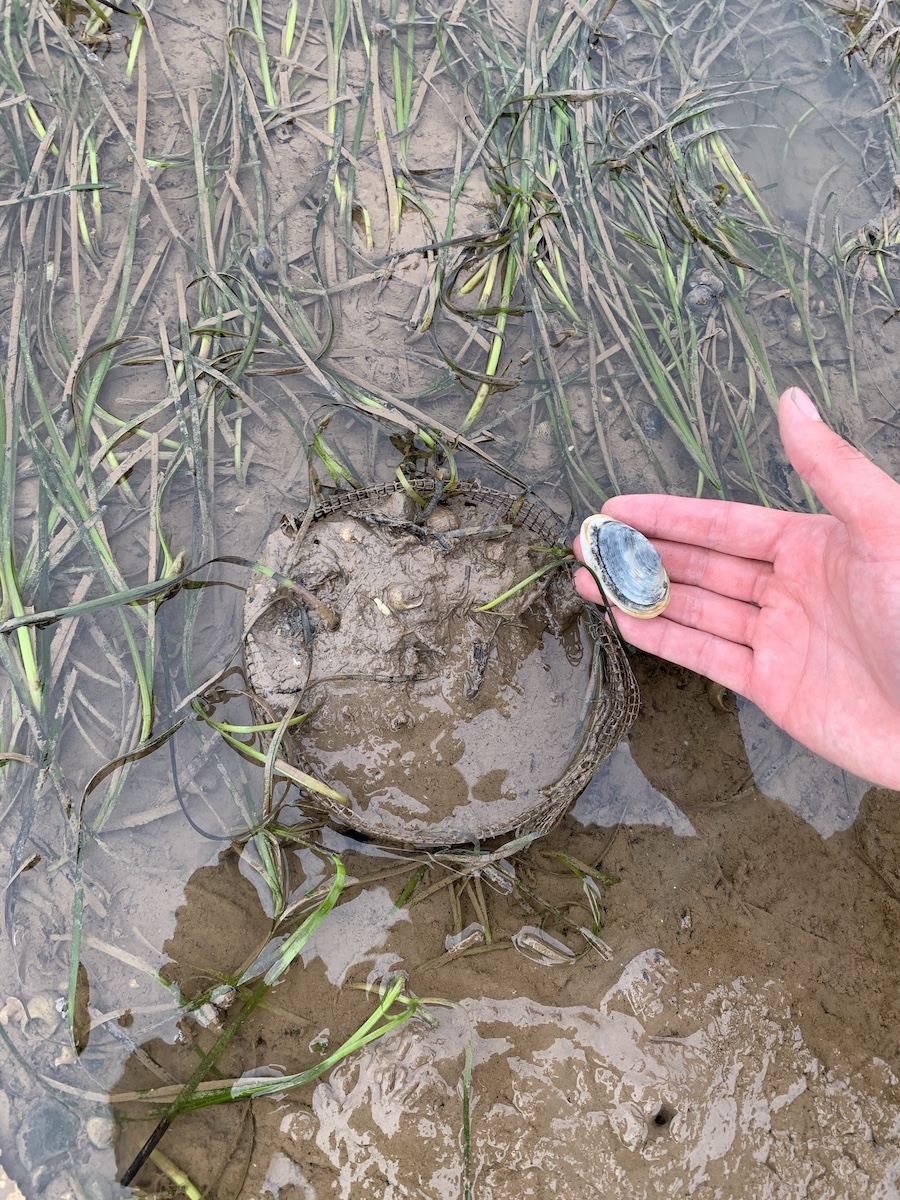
(597, 566)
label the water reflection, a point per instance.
(816, 790)
(651, 1092)
(358, 929)
(620, 794)
(806, 140)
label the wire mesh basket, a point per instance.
(438, 712)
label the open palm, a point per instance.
(799, 613)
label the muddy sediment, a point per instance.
(440, 714)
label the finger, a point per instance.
(716, 658)
(744, 530)
(742, 579)
(696, 608)
(849, 485)
(586, 586)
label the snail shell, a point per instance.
(628, 568)
(402, 599)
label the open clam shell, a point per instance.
(628, 568)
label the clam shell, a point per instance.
(700, 300)
(796, 329)
(263, 262)
(628, 568)
(442, 520)
(540, 947)
(704, 277)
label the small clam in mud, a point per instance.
(703, 290)
(800, 331)
(628, 568)
(704, 277)
(263, 262)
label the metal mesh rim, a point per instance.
(529, 511)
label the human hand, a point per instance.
(799, 613)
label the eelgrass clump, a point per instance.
(609, 197)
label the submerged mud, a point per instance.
(663, 1087)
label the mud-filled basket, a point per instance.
(437, 712)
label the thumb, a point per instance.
(846, 482)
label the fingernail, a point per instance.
(803, 403)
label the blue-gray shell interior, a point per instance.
(629, 566)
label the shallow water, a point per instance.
(742, 1039)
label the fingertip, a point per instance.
(800, 426)
(807, 439)
(848, 484)
(798, 404)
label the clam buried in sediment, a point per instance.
(263, 262)
(700, 301)
(704, 277)
(801, 331)
(628, 568)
